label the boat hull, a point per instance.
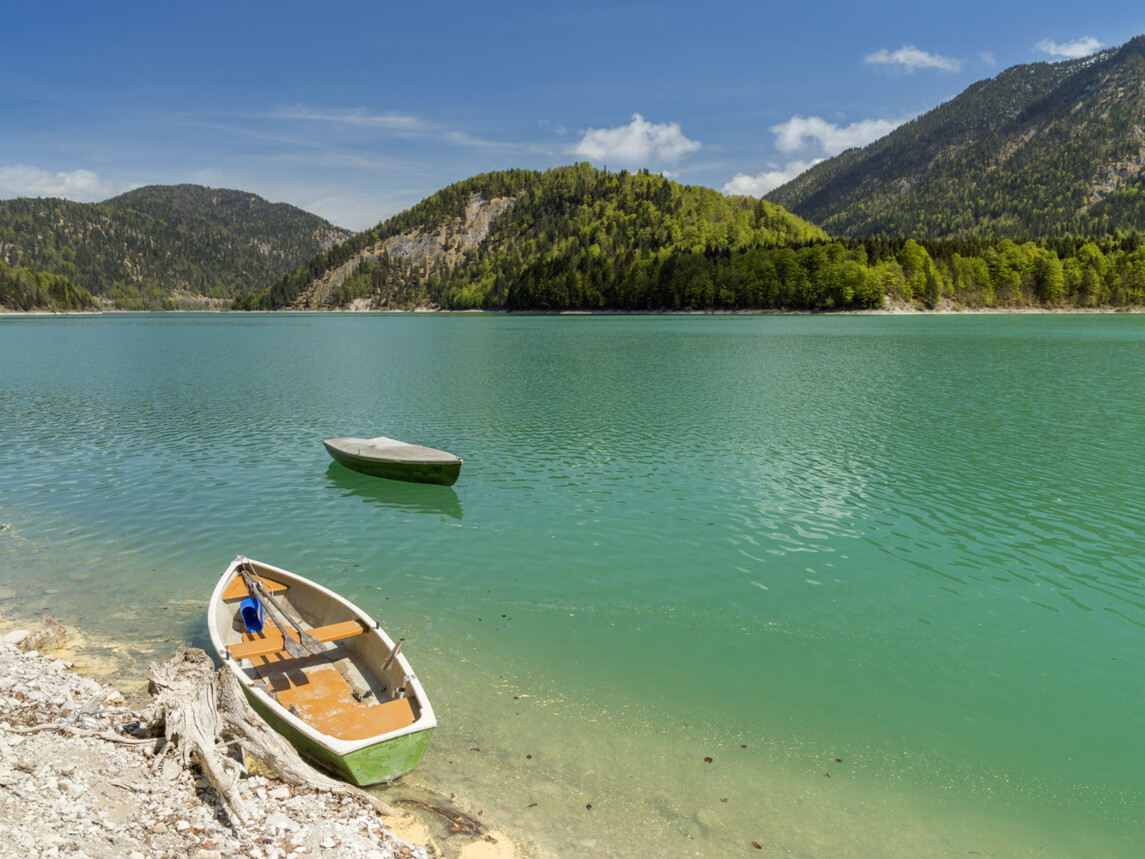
(377, 764)
(440, 473)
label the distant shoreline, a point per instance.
(885, 311)
(992, 311)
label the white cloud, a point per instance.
(816, 139)
(22, 180)
(389, 124)
(802, 132)
(388, 121)
(1082, 47)
(639, 143)
(761, 183)
(908, 58)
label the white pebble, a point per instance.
(281, 821)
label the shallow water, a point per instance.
(882, 571)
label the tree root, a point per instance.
(202, 712)
(461, 822)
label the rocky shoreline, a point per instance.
(73, 782)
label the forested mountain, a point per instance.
(569, 238)
(163, 246)
(1041, 150)
(577, 238)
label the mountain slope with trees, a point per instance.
(1024, 191)
(568, 238)
(577, 238)
(1041, 150)
(163, 246)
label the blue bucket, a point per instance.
(253, 614)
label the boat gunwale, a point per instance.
(426, 721)
(435, 457)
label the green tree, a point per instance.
(1050, 278)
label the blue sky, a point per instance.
(357, 110)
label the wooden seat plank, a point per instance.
(270, 639)
(363, 722)
(237, 588)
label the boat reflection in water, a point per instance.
(406, 497)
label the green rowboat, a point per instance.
(395, 460)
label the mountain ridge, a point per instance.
(568, 237)
(1040, 150)
(163, 246)
(943, 211)
(583, 239)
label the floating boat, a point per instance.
(335, 685)
(395, 460)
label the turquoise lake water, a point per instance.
(884, 572)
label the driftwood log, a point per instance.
(202, 713)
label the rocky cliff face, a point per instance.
(421, 248)
(450, 242)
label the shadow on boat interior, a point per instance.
(406, 497)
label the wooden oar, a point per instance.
(309, 644)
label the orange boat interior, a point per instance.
(312, 687)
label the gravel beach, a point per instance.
(68, 789)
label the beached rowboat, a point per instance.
(339, 690)
(396, 460)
